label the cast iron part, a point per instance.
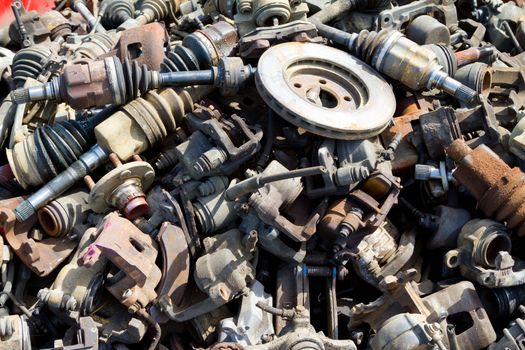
(133, 254)
(99, 83)
(254, 183)
(95, 45)
(202, 49)
(218, 144)
(80, 6)
(76, 288)
(273, 199)
(483, 255)
(392, 54)
(223, 273)
(301, 335)
(26, 40)
(40, 256)
(497, 187)
(122, 188)
(366, 207)
(254, 43)
(280, 190)
(252, 14)
(325, 91)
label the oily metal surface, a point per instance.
(325, 91)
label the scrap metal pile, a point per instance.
(263, 174)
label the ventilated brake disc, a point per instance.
(325, 91)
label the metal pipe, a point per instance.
(474, 54)
(20, 24)
(154, 325)
(81, 8)
(512, 37)
(54, 188)
(452, 337)
(333, 10)
(200, 77)
(258, 181)
(289, 314)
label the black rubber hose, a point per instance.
(270, 136)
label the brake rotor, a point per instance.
(325, 91)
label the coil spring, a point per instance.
(95, 45)
(116, 12)
(29, 63)
(179, 59)
(54, 148)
